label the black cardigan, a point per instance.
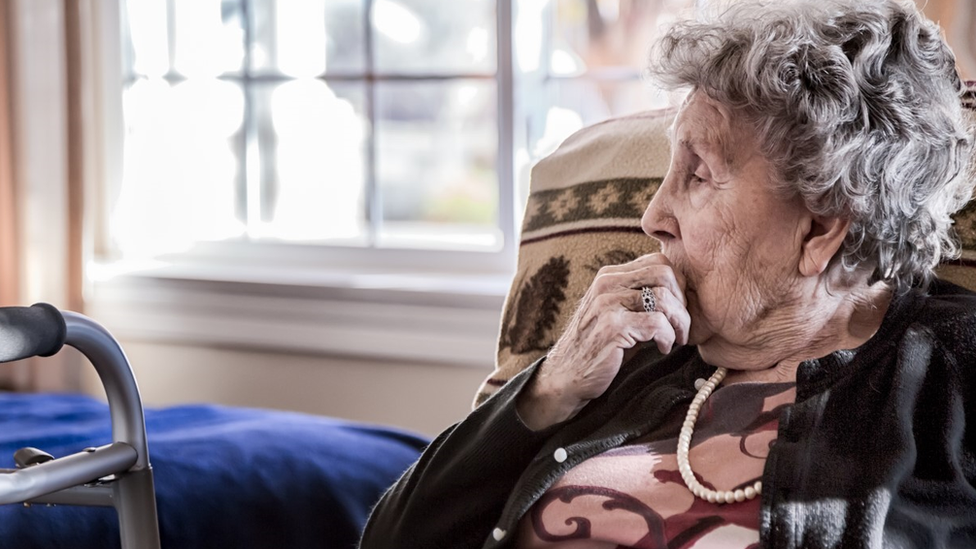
(876, 451)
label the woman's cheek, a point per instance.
(699, 196)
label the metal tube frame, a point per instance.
(75, 479)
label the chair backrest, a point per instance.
(584, 208)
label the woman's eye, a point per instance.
(695, 178)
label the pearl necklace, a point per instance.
(684, 445)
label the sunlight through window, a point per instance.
(375, 125)
(319, 164)
(396, 22)
(301, 40)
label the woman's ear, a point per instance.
(823, 238)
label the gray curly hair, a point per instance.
(857, 105)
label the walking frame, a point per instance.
(115, 475)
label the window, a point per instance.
(368, 124)
(354, 142)
(358, 123)
(580, 62)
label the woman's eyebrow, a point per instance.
(696, 146)
(713, 155)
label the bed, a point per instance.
(224, 476)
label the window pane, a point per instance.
(434, 36)
(208, 37)
(571, 104)
(307, 37)
(597, 100)
(146, 47)
(180, 167)
(436, 158)
(596, 53)
(311, 137)
(596, 34)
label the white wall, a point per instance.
(422, 398)
(413, 358)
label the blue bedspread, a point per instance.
(225, 477)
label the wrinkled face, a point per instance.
(735, 242)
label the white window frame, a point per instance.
(428, 306)
(407, 305)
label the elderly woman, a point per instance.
(786, 372)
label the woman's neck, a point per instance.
(813, 327)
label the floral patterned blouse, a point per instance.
(633, 496)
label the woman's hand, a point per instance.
(610, 320)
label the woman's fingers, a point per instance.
(609, 320)
(612, 308)
(655, 327)
(650, 270)
(667, 305)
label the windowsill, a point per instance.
(404, 315)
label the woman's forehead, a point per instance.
(704, 127)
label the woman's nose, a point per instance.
(658, 220)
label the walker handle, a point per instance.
(38, 330)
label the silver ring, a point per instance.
(648, 300)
